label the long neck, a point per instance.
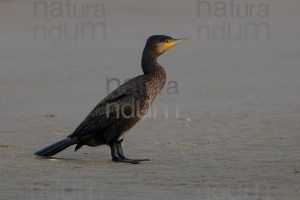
(154, 70)
(149, 62)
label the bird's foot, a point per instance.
(128, 160)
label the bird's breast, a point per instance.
(142, 102)
(153, 87)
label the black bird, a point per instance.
(122, 108)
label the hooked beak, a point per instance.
(179, 41)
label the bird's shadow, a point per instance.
(73, 160)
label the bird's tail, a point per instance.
(55, 148)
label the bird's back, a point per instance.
(121, 109)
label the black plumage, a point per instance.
(122, 108)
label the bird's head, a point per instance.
(158, 44)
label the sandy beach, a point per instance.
(225, 127)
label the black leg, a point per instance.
(123, 158)
(120, 150)
(114, 154)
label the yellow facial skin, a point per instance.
(168, 44)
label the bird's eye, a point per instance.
(167, 41)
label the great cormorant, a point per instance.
(122, 108)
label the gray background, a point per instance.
(237, 133)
